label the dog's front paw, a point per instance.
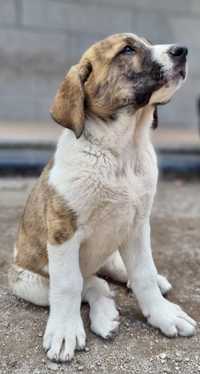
(62, 338)
(171, 319)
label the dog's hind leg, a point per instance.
(104, 316)
(29, 286)
(114, 269)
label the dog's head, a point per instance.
(120, 71)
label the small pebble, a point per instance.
(80, 368)
(163, 356)
(52, 366)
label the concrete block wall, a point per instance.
(40, 39)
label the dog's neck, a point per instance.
(127, 130)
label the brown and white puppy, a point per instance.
(92, 203)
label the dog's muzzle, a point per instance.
(178, 54)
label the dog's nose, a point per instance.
(178, 53)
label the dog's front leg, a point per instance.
(160, 313)
(64, 332)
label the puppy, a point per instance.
(89, 211)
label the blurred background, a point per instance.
(40, 40)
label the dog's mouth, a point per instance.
(176, 74)
(179, 72)
(167, 82)
(158, 77)
(182, 73)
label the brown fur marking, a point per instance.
(68, 106)
(97, 85)
(61, 221)
(46, 218)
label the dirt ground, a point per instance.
(137, 348)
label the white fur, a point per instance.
(34, 288)
(160, 54)
(115, 269)
(161, 313)
(30, 286)
(65, 331)
(107, 171)
(163, 284)
(104, 316)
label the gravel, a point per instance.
(137, 348)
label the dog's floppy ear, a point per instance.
(155, 118)
(68, 105)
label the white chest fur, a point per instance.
(109, 183)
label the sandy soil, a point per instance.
(137, 348)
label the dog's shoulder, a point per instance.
(46, 217)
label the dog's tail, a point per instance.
(29, 286)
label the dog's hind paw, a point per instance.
(163, 284)
(104, 317)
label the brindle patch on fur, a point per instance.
(61, 221)
(106, 80)
(46, 218)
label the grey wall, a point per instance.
(40, 39)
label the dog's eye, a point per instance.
(128, 50)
